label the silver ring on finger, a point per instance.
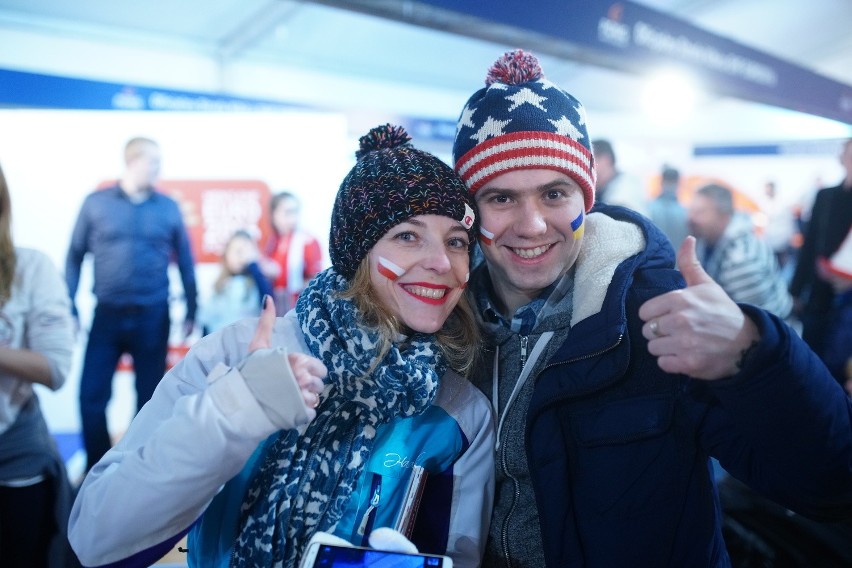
(654, 326)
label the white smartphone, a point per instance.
(321, 555)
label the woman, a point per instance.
(293, 256)
(387, 321)
(238, 288)
(36, 342)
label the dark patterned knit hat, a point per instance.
(391, 183)
(520, 120)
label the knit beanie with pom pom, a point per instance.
(520, 120)
(391, 183)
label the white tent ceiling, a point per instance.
(324, 37)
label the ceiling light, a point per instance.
(669, 96)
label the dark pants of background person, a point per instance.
(141, 331)
(26, 525)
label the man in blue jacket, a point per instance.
(133, 232)
(614, 378)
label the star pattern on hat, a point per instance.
(526, 96)
(490, 127)
(565, 127)
(466, 119)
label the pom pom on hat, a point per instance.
(514, 68)
(391, 182)
(520, 120)
(380, 137)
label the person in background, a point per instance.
(132, 232)
(829, 223)
(837, 354)
(733, 255)
(614, 377)
(666, 211)
(779, 228)
(239, 288)
(294, 256)
(613, 186)
(36, 346)
(244, 445)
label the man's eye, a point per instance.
(555, 194)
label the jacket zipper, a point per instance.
(374, 502)
(524, 340)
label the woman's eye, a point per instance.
(458, 243)
(406, 236)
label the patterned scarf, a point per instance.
(305, 481)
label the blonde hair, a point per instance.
(7, 247)
(458, 339)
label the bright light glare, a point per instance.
(669, 97)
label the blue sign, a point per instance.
(634, 38)
(18, 88)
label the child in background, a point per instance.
(240, 287)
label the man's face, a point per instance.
(846, 157)
(705, 221)
(144, 166)
(532, 224)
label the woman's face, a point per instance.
(419, 270)
(285, 216)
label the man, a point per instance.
(666, 211)
(132, 233)
(830, 222)
(612, 383)
(732, 255)
(613, 186)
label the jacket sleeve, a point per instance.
(77, 249)
(186, 266)
(473, 481)
(783, 425)
(199, 429)
(49, 327)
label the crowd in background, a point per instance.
(795, 266)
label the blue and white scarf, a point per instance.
(305, 481)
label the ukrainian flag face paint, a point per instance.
(578, 226)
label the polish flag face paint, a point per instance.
(388, 269)
(466, 279)
(485, 236)
(578, 226)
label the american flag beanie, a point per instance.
(391, 183)
(520, 120)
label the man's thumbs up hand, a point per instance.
(698, 331)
